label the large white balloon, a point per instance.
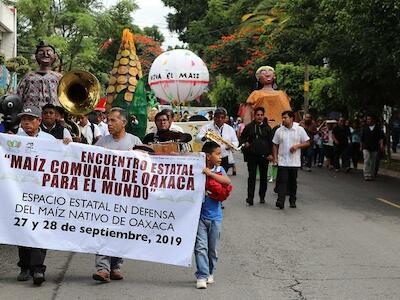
(178, 75)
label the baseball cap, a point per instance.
(221, 111)
(31, 111)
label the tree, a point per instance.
(86, 35)
(111, 23)
(225, 94)
(366, 56)
(69, 25)
(154, 33)
(186, 11)
(325, 86)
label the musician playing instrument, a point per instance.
(52, 126)
(39, 87)
(163, 133)
(226, 132)
(171, 117)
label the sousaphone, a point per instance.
(78, 93)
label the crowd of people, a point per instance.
(339, 144)
(343, 144)
(286, 148)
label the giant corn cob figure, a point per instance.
(126, 87)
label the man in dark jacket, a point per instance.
(256, 139)
(52, 126)
(341, 139)
(372, 139)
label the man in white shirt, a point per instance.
(90, 133)
(31, 260)
(99, 118)
(223, 130)
(288, 141)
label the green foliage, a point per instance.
(368, 60)
(154, 33)
(324, 93)
(225, 94)
(85, 34)
(290, 78)
(186, 11)
(19, 65)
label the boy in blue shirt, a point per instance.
(209, 229)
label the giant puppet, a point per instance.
(126, 87)
(274, 101)
(39, 87)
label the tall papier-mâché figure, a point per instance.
(39, 87)
(274, 101)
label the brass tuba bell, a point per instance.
(79, 92)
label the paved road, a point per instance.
(340, 243)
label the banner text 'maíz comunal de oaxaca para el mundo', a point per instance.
(89, 199)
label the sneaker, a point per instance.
(102, 276)
(201, 283)
(38, 278)
(24, 275)
(249, 202)
(116, 275)
(262, 200)
(210, 279)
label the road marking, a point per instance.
(388, 202)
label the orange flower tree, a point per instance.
(238, 55)
(147, 50)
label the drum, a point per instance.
(165, 147)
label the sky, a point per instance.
(152, 12)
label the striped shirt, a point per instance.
(286, 138)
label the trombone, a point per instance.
(211, 135)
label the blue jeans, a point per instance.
(205, 249)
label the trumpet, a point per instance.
(211, 135)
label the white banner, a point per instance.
(89, 199)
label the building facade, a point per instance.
(8, 30)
